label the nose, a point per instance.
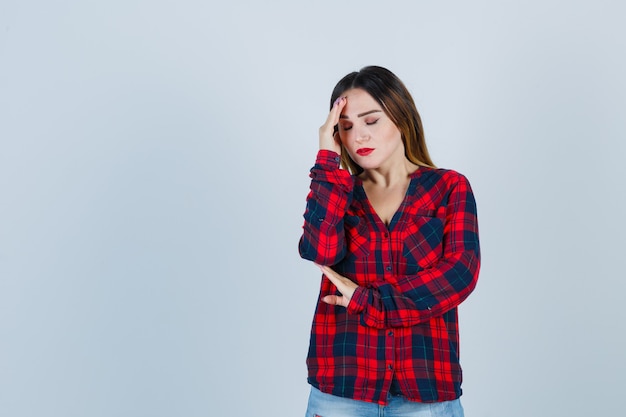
(361, 135)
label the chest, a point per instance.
(386, 201)
(410, 239)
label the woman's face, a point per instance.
(371, 139)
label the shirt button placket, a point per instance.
(386, 250)
(388, 269)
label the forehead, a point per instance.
(358, 101)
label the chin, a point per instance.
(369, 165)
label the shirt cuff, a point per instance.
(328, 160)
(358, 301)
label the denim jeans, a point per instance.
(326, 405)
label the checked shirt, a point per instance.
(401, 323)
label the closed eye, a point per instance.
(373, 122)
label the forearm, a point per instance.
(436, 287)
(417, 298)
(323, 238)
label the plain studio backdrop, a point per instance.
(154, 160)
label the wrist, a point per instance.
(328, 158)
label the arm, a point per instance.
(323, 240)
(434, 290)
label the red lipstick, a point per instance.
(364, 151)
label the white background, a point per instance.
(154, 161)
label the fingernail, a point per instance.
(337, 101)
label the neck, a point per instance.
(389, 176)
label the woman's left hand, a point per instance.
(345, 286)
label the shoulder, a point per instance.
(441, 177)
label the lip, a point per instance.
(364, 151)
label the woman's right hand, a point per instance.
(329, 140)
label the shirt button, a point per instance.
(388, 268)
(390, 333)
(386, 235)
(390, 367)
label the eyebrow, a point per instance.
(343, 116)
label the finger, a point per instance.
(335, 112)
(330, 299)
(334, 300)
(340, 103)
(330, 274)
(338, 282)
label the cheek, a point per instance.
(392, 134)
(345, 138)
(347, 144)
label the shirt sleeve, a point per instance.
(323, 240)
(435, 290)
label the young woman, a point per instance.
(397, 242)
